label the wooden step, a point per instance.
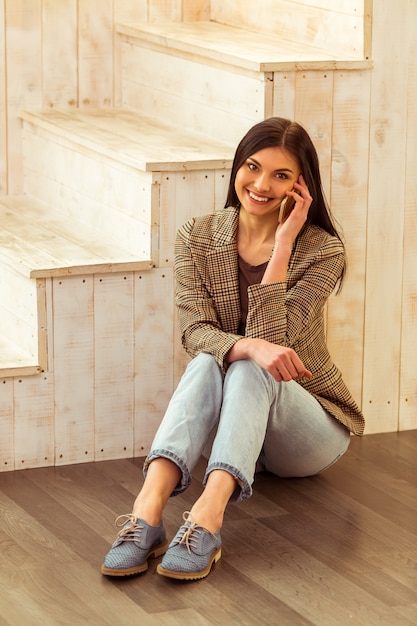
(14, 361)
(36, 243)
(19, 327)
(102, 168)
(94, 182)
(228, 45)
(214, 78)
(132, 139)
(39, 243)
(18, 316)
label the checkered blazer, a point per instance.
(287, 313)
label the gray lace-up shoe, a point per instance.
(191, 553)
(136, 542)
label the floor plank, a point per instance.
(339, 548)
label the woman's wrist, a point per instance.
(282, 248)
(241, 350)
(276, 271)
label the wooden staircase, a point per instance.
(104, 194)
(92, 184)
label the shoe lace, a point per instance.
(130, 529)
(189, 533)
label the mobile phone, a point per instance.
(286, 207)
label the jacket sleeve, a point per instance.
(200, 327)
(282, 313)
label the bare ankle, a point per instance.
(206, 517)
(150, 512)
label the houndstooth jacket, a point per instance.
(287, 313)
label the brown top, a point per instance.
(248, 275)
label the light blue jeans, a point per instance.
(254, 423)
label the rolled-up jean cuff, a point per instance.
(166, 454)
(243, 489)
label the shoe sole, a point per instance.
(191, 575)
(152, 554)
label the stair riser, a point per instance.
(18, 317)
(89, 187)
(186, 93)
(185, 195)
(336, 26)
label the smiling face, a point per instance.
(261, 182)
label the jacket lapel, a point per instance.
(222, 264)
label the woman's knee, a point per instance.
(249, 371)
(203, 367)
(203, 360)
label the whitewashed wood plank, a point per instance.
(125, 239)
(348, 201)
(195, 195)
(240, 50)
(128, 11)
(49, 321)
(88, 269)
(6, 425)
(124, 11)
(385, 219)
(408, 379)
(164, 10)
(128, 139)
(24, 87)
(120, 231)
(156, 258)
(33, 240)
(34, 421)
(336, 27)
(95, 53)
(154, 352)
(3, 103)
(37, 245)
(177, 90)
(221, 186)
(59, 53)
(195, 10)
(14, 361)
(183, 195)
(268, 79)
(367, 28)
(116, 185)
(42, 293)
(74, 369)
(284, 94)
(350, 7)
(314, 109)
(114, 365)
(18, 317)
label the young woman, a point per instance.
(252, 282)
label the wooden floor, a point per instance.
(339, 548)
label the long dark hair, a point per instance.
(279, 132)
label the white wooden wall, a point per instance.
(390, 332)
(337, 25)
(107, 383)
(62, 53)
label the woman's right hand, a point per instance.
(289, 228)
(281, 362)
